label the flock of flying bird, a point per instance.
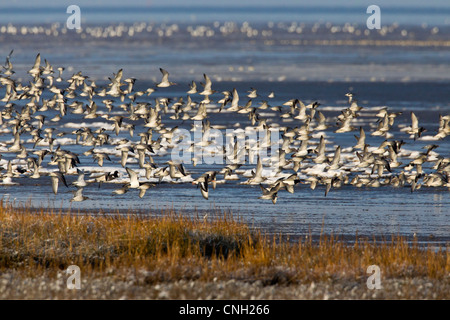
(300, 159)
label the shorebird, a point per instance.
(361, 140)
(354, 107)
(270, 193)
(207, 86)
(320, 151)
(225, 100)
(115, 90)
(365, 159)
(91, 111)
(235, 101)
(383, 127)
(80, 181)
(252, 93)
(104, 177)
(36, 69)
(134, 180)
(345, 126)
(192, 88)
(55, 177)
(16, 146)
(153, 119)
(201, 113)
(444, 127)
(130, 82)
(350, 97)
(257, 177)
(165, 80)
(176, 171)
(143, 187)
(393, 155)
(78, 196)
(379, 164)
(8, 68)
(48, 69)
(117, 123)
(334, 163)
(122, 190)
(208, 177)
(204, 189)
(124, 150)
(99, 157)
(321, 122)
(414, 129)
(302, 151)
(301, 111)
(329, 182)
(60, 71)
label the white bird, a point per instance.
(207, 87)
(270, 193)
(8, 65)
(334, 164)
(415, 129)
(320, 151)
(78, 196)
(56, 176)
(122, 190)
(192, 88)
(176, 171)
(115, 84)
(134, 181)
(361, 140)
(234, 101)
(80, 181)
(204, 189)
(143, 187)
(257, 177)
(16, 146)
(321, 123)
(252, 93)
(36, 69)
(165, 79)
(201, 113)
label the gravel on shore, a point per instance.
(14, 285)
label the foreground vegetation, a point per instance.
(170, 255)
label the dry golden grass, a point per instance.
(172, 247)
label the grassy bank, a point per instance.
(37, 246)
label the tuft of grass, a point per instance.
(172, 247)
